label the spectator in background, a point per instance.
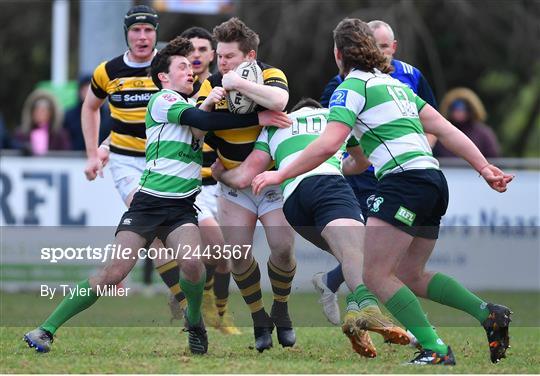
(5, 138)
(464, 109)
(41, 128)
(72, 118)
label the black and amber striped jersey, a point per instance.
(234, 145)
(128, 88)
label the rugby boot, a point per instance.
(40, 339)
(197, 338)
(496, 327)
(371, 318)
(432, 358)
(328, 300)
(285, 332)
(360, 339)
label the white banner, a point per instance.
(488, 241)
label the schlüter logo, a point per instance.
(141, 99)
(137, 97)
(405, 215)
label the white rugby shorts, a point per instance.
(126, 172)
(269, 199)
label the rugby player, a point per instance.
(319, 207)
(218, 272)
(411, 194)
(163, 205)
(239, 209)
(124, 81)
(363, 185)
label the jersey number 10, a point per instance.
(312, 124)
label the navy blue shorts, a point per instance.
(317, 201)
(363, 186)
(414, 201)
(152, 217)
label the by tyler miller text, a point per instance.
(76, 291)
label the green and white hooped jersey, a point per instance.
(173, 155)
(383, 114)
(285, 145)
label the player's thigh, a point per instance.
(279, 233)
(122, 262)
(237, 222)
(345, 237)
(126, 172)
(384, 247)
(413, 265)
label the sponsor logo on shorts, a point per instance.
(375, 205)
(339, 98)
(405, 215)
(126, 221)
(272, 196)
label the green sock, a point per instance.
(70, 306)
(405, 307)
(362, 297)
(446, 290)
(194, 294)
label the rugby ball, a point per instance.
(237, 102)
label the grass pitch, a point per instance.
(140, 339)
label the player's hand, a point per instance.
(103, 154)
(94, 167)
(230, 80)
(216, 95)
(265, 179)
(274, 118)
(217, 169)
(495, 178)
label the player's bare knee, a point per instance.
(372, 279)
(192, 270)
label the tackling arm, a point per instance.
(270, 97)
(242, 176)
(316, 153)
(356, 163)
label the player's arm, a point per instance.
(207, 97)
(425, 92)
(356, 162)
(268, 96)
(316, 153)
(90, 120)
(242, 176)
(215, 121)
(458, 143)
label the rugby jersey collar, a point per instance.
(185, 96)
(133, 64)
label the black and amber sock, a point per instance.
(170, 274)
(221, 291)
(281, 281)
(249, 283)
(209, 283)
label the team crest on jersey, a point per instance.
(169, 97)
(374, 205)
(339, 98)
